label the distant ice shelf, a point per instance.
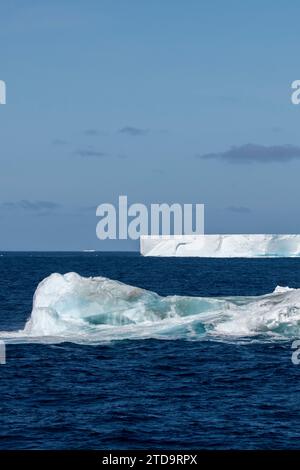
(222, 246)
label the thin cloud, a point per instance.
(251, 153)
(93, 132)
(133, 131)
(59, 142)
(32, 206)
(239, 209)
(88, 152)
(158, 171)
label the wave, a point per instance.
(94, 310)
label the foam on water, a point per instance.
(95, 310)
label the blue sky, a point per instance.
(146, 99)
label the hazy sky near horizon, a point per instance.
(146, 99)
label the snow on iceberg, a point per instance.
(221, 246)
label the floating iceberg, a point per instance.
(221, 246)
(97, 310)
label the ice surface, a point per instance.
(222, 246)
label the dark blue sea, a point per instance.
(212, 388)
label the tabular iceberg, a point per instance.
(222, 246)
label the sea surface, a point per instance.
(218, 378)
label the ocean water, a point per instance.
(96, 364)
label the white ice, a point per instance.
(222, 246)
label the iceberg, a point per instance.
(97, 310)
(222, 246)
